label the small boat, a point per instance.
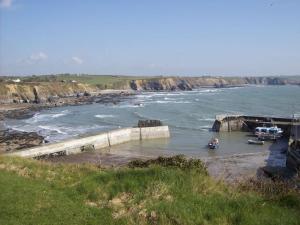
(268, 133)
(213, 143)
(255, 142)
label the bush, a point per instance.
(178, 161)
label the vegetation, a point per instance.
(162, 191)
(101, 81)
(122, 81)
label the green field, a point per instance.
(101, 81)
(168, 192)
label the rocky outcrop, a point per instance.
(189, 83)
(42, 92)
(51, 92)
(16, 140)
(267, 80)
(149, 123)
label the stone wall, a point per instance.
(228, 123)
(103, 140)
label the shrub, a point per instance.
(178, 161)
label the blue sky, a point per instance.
(157, 37)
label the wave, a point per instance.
(209, 91)
(202, 128)
(52, 128)
(54, 133)
(206, 127)
(169, 93)
(140, 116)
(58, 115)
(172, 102)
(17, 128)
(145, 96)
(104, 116)
(206, 119)
(38, 117)
(128, 106)
(79, 130)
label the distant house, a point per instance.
(16, 80)
(74, 81)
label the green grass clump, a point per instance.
(177, 161)
(163, 191)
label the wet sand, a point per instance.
(228, 168)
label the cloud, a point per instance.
(6, 3)
(38, 56)
(35, 58)
(77, 60)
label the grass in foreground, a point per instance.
(165, 191)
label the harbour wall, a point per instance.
(289, 125)
(228, 123)
(293, 153)
(99, 141)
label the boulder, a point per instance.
(11, 140)
(149, 123)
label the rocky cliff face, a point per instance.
(188, 83)
(41, 92)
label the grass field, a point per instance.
(101, 81)
(34, 192)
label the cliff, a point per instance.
(41, 92)
(189, 83)
(41, 89)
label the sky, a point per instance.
(153, 37)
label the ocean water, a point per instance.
(189, 114)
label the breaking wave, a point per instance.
(104, 116)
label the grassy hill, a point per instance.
(165, 191)
(49, 88)
(101, 81)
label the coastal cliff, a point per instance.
(189, 83)
(42, 89)
(41, 92)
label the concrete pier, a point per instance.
(289, 125)
(99, 141)
(228, 123)
(293, 154)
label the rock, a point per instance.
(184, 86)
(149, 123)
(15, 140)
(18, 113)
(133, 85)
(86, 94)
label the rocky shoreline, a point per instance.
(12, 140)
(27, 110)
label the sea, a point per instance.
(189, 115)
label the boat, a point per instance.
(265, 133)
(255, 142)
(213, 143)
